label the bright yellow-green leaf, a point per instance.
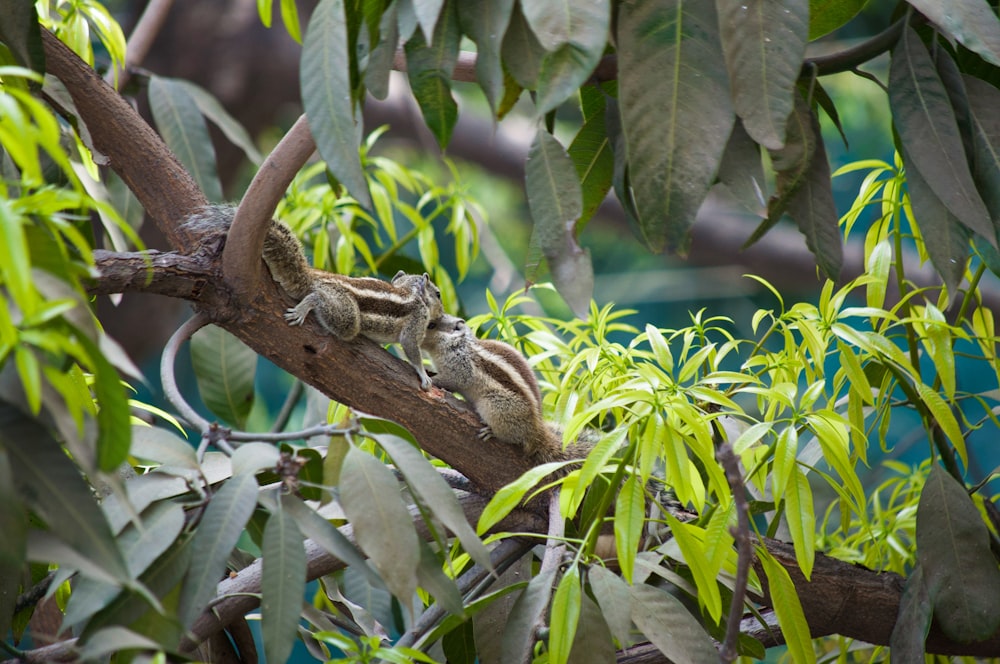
(629, 517)
(693, 549)
(565, 616)
(801, 520)
(786, 604)
(944, 418)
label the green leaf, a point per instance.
(555, 201)
(692, 548)
(251, 458)
(615, 599)
(943, 416)
(114, 639)
(325, 79)
(592, 155)
(983, 100)
(569, 64)
(114, 429)
(425, 481)
(630, 511)
(382, 54)
(671, 627)
(565, 615)
(429, 68)
(801, 520)
(923, 116)
(13, 545)
(220, 117)
(953, 548)
(15, 259)
(433, 580)
(825, 16)
(184, 130)
(219, 529)
(163, 447)
(741, 172)
(913, 622)
(485, 22)
(785, 600)
(764, 43)
(971, 22)
(525, 616)
(52, 486)
(521, 53)
(283, 584)
(428, 14)
(224, 367)
(592, 643)
(676, 112)
(383, 527)
(20, 31)
(510, 496)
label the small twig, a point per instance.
(744, 547)
(140, 41)
(287, 408)
(34, 594)
(554, 544)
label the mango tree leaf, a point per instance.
(615, 599)
(251, 458)
(984, 99)
(48, 482)
(163, 447)
(459, 645)
(954, 551)
(510, 496)
(786, 604)
(742, 173)
(555, 201)
(566, 67)
(676, 112)
(923, 116)
(433, 579)
(521, 51)
(435, 493)
(219, 529)
(428, 13)
(972, 22)
(224, 367)
(113, 417)
(671, 627)
(592, 642)
(13, 545)
(114, 639)
(325, 79)
(283, 584)
(825, 16)
(592, 154)
(382, 54)
(630, 510)
(184, 130)
(801, 520)
(383, 527)
(692, 547)
(764, 42)
(913, 621)
(485, 22)
(220, 117)
(429, 68)
(519, 633)
(565, 615)
(20, 31)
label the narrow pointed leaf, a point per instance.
(565, 615)
(984, 99)
(785, 601)
(592, 154)
(742, 173)
(676, 112)
(670, 627)
(162, 447)
(380, 60)
(923, 116)
(428, 14)
(521, 52)
(225, 368)
(525, 617)
(220, 117)
(429, 68)
(283, 584)
(630, 510)
(972, 22)
(764, 42)
(567, 66)
(914, 620)
(954, 552)
(485, 22)
(433, 580)
(226, 515)
(801, 520)
(325, 79)
(615, 599)
(383, 527)
(592, 643)
(184, 129)
(435, 493)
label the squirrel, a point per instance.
(499, 383)
(386, 312)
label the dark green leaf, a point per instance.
(525, 617)
(613, 595)
(429, 68)
(984, 99)
(220, 117)
(382, 54)
(485, 22)
(14, 526)
(742, 173)
(945, 239)
(565, 616)
(670, 627)
(566, 67)
(435, 493)
(676, 112)
(383, 527)
(914, 620)
(114, 639)
(953, 548)
(825, 16)
(283, 584)
(433, 579)
(522, 54)
(325, 79)
(459, 645)
(555, 201)
(225, 369)
(923, 116)
(223, 521)
(49, 483)
(184, 129)
(162, 447)
(764, 42)
(593, 643)
(592, 155)
(972, 22)
(20, 31)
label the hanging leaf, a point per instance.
(786, 604)
(325, 79)
(433, 580)
(525, 617)
(676, 112)
(592, 643)
(220, 526)
(565, 615)
(670, 627)
(825, 16)
(383, 527)
(20, 31)
(429, 68)
(220, 117)
(592, 154)
(925, 120)
(974, 23)
(485, 22)
(914, 620)
(984, 99)
(953, 548)
(630, 510)
(764, 42)
(615, 598)
(283, 584)
(571, 62)
(428, 13)
(801, 520)
(225, 368)
(742, 173)
(184, 130)
(555, 201)
(382, 54)
(521, 53)
(13, 545)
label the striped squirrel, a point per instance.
(496, 379)
(396, 312)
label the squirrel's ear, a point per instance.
(398, 275)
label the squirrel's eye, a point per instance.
(432, 325)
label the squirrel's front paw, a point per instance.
(485, 433)
(294, 317)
